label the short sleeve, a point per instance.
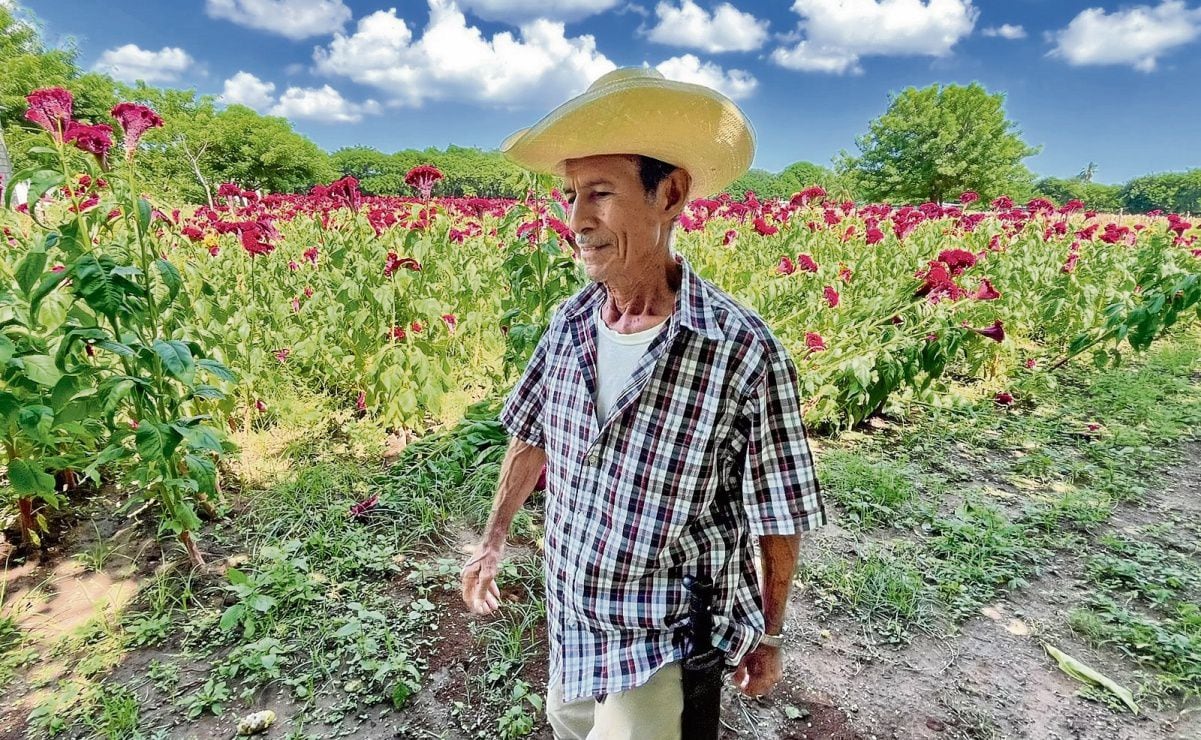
(521, 414)
(780, 490)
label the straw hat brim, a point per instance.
(690, 126)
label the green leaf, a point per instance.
(30, 270)
(262, 603)
(237, 577)
(171, 278)
(217, 369)
(177, 359)
(199, 437)
(45, 286)
(156, 441)
(7, 350)
(232, 617)
(95, 285)
(204, 472)
(29, 480)
(41, 369)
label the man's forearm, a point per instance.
(779, 554)
(518, 473)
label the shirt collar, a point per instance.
(694, 307)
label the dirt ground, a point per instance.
(991, 680)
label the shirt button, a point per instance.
(593, 458)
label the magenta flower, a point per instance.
(95, 138)
(806, 263)
(996, 332)
(451, 321)
(814, 341)
(50, 108)
(731, 235)
(969, 197)
(764, 228)
(135, 120)
(423, 177)
(361, 402)
(358, 510)
(985, 291)
(831, 296)
(282, 354)
(1003, 398)
(785, 267)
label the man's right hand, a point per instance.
(479, 580)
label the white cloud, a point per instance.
(735, 83)
(454, 61)
(726, 29)
(1006, 31)
(1135, 36)
(130, 63)
(518, 12)
(323, 104)
(312, 103)
(836, 33)
(294, 19)
(246, 89)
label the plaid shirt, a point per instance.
(704, 447)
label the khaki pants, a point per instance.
(648, 712)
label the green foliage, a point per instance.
(937, 142)
(872, 495)
(1170, 191)
(1094, 195)
(467, 171)
(792, 179)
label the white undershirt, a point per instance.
(617, 355)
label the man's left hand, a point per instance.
(759, 671)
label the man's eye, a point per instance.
(599, 194)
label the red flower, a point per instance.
(95, 139)
(214, 251)
(844, 273)
(814, 341)
(764, 228)
(957, 260)
(937, 284)
(135, 119)
(308, 292)
(361, 402)
(874, 235)
(345, 192)
(785, 267)
(831, 296)
(293, 266)
(295, 305)
(996, 332)
(416, 327)
(260, 405)
(282, 354)
(362, 507)
(985, 291)
(1031, 362)
(310, 254)
(540, 485)
(50, 108)
(1003, 203)
(806, 263)
(969, 197)
(1003, 398)
(731, 234)
(398, 334)
(423, 177)
(451, 321)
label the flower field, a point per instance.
(138, 336)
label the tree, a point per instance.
(1167, 191)
(1095, 195)
(1087, 174)
(937, 142)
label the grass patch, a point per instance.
(871, 494)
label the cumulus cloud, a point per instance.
(247, 89)
(1006, 31)
(518, 12)
(130, 63)
(294, 19)
(323, 103)
(835, 34)
(1135, 36)
(456, 62)
(734, 83)
(725, 29)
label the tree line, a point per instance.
(931, 144)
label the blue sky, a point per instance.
(1102, 81)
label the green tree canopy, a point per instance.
(1095, 195)
(937, 142)
(1168, 191)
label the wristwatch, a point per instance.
(774, 641)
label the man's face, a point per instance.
(618, 230)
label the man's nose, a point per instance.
(578, 218)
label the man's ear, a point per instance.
(673, 192)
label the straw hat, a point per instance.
(634, 110)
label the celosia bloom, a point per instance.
(969, 197)
(361, 402)
(831, 296)
(135, 119)
(731, 235)
(785, 267)
(985, 291)
(1003, 398)
(996, 332)
(814, 341)
(956, 260)
(806, 263)
(95, 139)
(423, 177)
(764, 228)
(451, 321)
(282, 354)
(362, 507)
(50, 108)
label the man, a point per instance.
(667, 416)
